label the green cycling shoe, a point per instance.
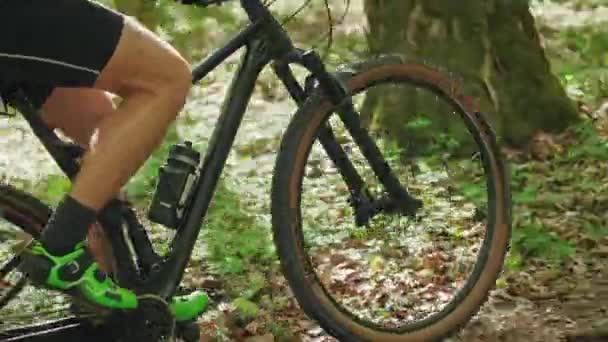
(75, 272)
(78, 272)
(189, 307)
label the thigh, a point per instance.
(56, 43)
(142, 62)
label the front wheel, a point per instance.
(443, 262)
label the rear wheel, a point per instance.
(444, 261)
(22, 218)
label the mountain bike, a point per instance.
(334, 142)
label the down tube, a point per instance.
(241, 89)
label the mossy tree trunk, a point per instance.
(492, 45)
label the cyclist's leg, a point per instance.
(88, 105)
(54, 44)
(153, 90)
(91, 106)
(59, 107)
(68, 44)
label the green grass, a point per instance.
(235, 241)
(580, 59)
(534, 240)
(558, 203)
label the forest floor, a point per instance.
(537, 300)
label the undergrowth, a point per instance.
(559, 203)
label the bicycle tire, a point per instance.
(26, 213)
(30, 207)
(295, 147)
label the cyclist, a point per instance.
(73, 56)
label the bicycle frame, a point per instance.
(139, 267)
(265, 41)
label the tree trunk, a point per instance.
(492, 45)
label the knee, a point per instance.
(159, 71)
(170, 85)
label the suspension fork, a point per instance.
(365, 206)
(354, 182)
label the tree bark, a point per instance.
(494, 48)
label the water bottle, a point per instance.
(175, 181)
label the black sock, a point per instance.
(68, 226)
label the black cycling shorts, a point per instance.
(55, 43)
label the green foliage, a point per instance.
(589, 144)
(391, 150)
(235, 241)
(434, 140)
(591, 42)
(282, 331)
(513, 261)
(532, 240)
(56, 187)
(446, 142)
(473, 192)
(245, 308)
(594, 231)
(419, 122)
(185, 27)
(543, 192)
(527, 195)
(581, 61)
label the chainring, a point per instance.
(152, 321)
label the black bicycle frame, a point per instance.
(265, 41)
